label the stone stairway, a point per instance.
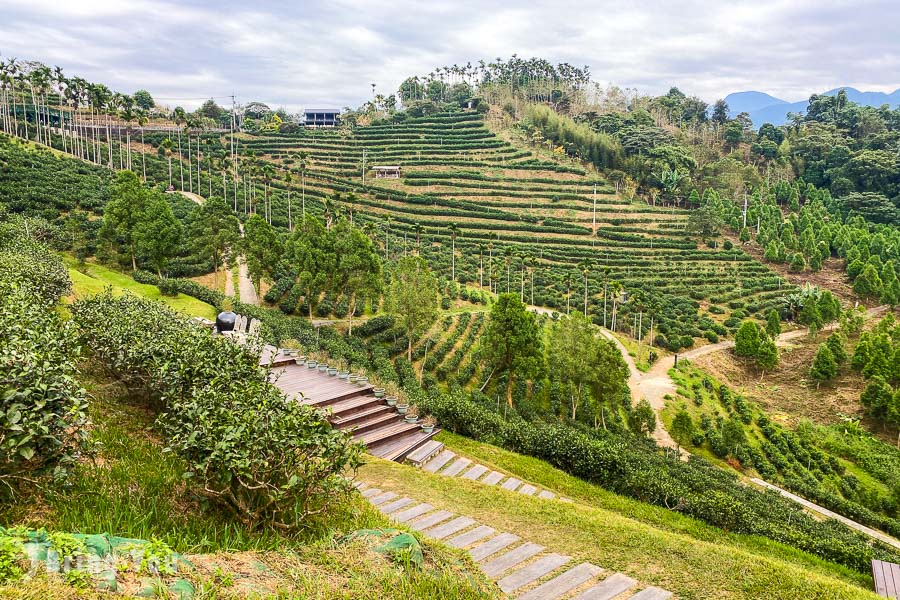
(523, 569)
(432, 457)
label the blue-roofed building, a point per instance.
(321, 117)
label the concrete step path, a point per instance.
(448, 463)
(532, 572)
(561, 585)
(522, 568)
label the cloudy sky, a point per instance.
(307, 53)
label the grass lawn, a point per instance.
(133, 488)
(95, 278)
(649, 543)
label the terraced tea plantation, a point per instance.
(545, 228)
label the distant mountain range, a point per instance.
(764, 108)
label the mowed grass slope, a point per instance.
(94, 278)
(651, 544)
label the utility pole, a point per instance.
(365, 154)
(594, 220)
(745, 209)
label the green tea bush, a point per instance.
(43, 418)
(265, 459)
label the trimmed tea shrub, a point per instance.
(265, 459)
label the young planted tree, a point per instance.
(217, 232)
(261, 249)
(358, 267)
(158, 234)
(512, 344)
(570, 357)
(835, 343)
(122, 215)
(824, 366)
(682, 427)
(312, 250)
(412, 297)
(642, 419)
(773, 324)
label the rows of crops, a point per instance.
(544, 228)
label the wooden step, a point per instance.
(373, 422)
(424, 452)
(347, 407)
(435, 464)
(386, 433)
(398, 448)
(363, 415)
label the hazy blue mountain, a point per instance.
(764, 108)
(739, 102)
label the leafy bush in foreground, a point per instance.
(43, 415)
(264, 458)
(696, 488)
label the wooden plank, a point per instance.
(511, 484)
(878, 578)
(890, 588)
(475, 472)
(652, 593)
(895, 577)
(494, 567)
(454, 469)
(397, 448)
(561, 585)
(395, 505)
(528, 489)
(428, 520)
(610, 587)
(411, 513)
(493, 545)
(449, 528)
(492, 478)
(382, 498)
(532, 572)
(424, 452)
(470, 537)
(439, 461)
(890, 585)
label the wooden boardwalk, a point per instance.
(887, 579)
(352, 407)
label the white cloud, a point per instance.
(318, 52)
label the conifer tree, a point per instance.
(824, 366)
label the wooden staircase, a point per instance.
(352, 408)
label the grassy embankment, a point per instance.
(94, 278)
(654, 545)
(134, 488)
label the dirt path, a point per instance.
(245, 287)
(656, 383)
(229, 282)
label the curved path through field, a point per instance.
(656, 383)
